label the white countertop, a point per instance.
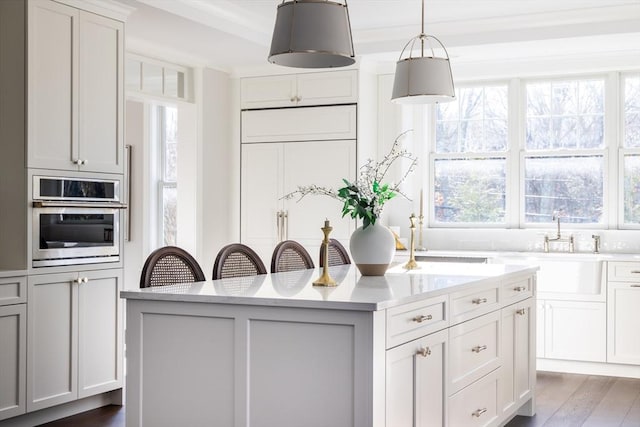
(354, 292)
(551, 256)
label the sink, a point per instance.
(567, 274)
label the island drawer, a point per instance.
(415, 320)
(13, 290)
(466, 305)
(624, 271)
(474, 350)
(517, 290)
(476, 405)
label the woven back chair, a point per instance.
(337, 254)
(170, 265)
(290, 256)
(237, 260)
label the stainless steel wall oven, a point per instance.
(75, 221)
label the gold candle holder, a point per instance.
(325, 279)
(412, 264)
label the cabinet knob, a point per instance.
(422, 318)
(479, 300)
(298, 98)
(519, 288)
(521, 312)
(479, 348)
(478, 412)
(424, 352)
(293, 99)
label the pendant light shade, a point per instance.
(426, 78)
(312, 34)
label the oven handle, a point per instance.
(51, 204)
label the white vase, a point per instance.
(372, 249)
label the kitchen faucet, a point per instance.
(558, 237)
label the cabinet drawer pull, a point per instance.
(479, 300)
(635, 271)
(520, 288)
(479, 348)
(479, 412)
(635, 286)
(424, 351)
(422, 318)
(521, 311)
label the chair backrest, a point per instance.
(237, 260)
(337, 254)
(170, 265)
(290, 256)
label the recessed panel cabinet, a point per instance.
(75, 77)
(13, 349)
(623, 314)
(74, 336)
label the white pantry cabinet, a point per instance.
(272, 170)
(74, 336)
(75, 87)
(623, 313)
(297, 90)
(13, 347)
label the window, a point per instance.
(631, 149)
(564, 151)
(469, 164)
(168, 173)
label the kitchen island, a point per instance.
(448, 344)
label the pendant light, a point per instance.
(423, 79)
(312, 34)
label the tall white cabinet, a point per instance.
(283, 148)
(75, 76)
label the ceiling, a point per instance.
(235, 34)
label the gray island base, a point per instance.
(447, 345)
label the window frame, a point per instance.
(162, 183)
(623, 151)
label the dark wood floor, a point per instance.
(563, 400)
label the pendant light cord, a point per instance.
(422, 35)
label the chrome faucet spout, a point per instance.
(557, 218)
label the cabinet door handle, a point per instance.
(424, 352)
(81, 280)
(279, 225)
(285, 225)
(80, 162)
(422, 318)
(479, 412)
(520, 288)
(479, 348)
(521, 312)
(479, 300)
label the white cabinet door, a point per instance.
(335, 87)
(299, 124)
(623, 302)
(52, 331)
(323, 163)
(100, 332)
(415, 381)
(260, 200)
(13, 357)
(518, 368)
(100, 87)
(270, 91)
(575, 330)
(52, 82)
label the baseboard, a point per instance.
(65, 410)
(589, 368)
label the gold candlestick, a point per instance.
(412, 264)
(325, 279)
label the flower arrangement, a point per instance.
(365, 197)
